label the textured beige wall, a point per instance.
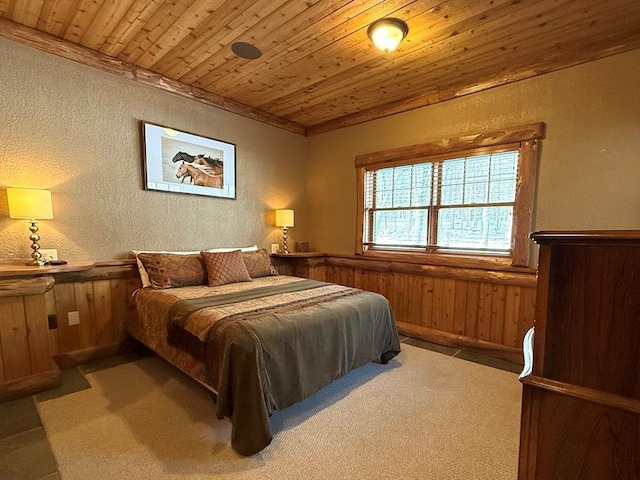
(589, 168)
(76, 131)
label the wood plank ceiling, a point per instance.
(319, 70)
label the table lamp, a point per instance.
(284, 219)
(33, 205)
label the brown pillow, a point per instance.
(225, 267)
(259, 264)
(167, 270)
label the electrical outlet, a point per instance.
(74, 318)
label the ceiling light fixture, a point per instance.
(387, 33)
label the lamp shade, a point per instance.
(29, 203)
(284, 218)
(387, 33)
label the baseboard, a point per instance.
(25, 386)
(79, 357)
(513, 355)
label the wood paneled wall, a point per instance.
(483, 310)
(102, 298)
(477, 309)
(24, 345)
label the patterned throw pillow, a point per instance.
(225, 267)
(167, 270)
(259, 264)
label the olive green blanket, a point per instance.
(270, 347)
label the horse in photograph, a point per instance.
(201, 176)
(214, 163)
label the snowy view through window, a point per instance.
(464, 203)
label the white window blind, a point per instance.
(455, 204)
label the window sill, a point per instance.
(486, 262)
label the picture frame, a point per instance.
(181, 162)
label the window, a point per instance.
(453, 197)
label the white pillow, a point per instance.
(144, 277)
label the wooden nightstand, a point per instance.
(300, 264)
(26, 364)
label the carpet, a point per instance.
(423, 416)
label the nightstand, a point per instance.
(300, 264)
(26, 364)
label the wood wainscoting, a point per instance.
(483, 310)
(35, 303)
(478, 309)
(102, 297)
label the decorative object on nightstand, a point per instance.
(284, 219)
(301, 246)
(33, 205)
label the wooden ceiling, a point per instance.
(319, 70)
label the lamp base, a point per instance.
(34, 237)
(35, 263)
(285, 245)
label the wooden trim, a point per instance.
(25, 286)
(306, 255)
(117, 263)
(444, 259)
(520, 279)
(360, 173)
(495, 350)
(454, 144)
(27, 271)
(98, 352)
(525, 199)
(583, 393)
(65, 49)
(102, 272)
(29, 385)
(522, 138)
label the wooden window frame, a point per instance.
(525, 138)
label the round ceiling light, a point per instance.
(387, 33)
(246, 50)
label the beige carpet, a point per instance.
(423, 416)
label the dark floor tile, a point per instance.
(114, 361)
(431, 346)
(26, 456)
(18, 416)
(72, 381)
(489, 361)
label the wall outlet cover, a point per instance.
(74, 318)
(49, 254)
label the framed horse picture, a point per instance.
(182, 162)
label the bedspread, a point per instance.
(268, 347)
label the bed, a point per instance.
(263, 343)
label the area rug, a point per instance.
(423, 416)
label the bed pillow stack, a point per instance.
(217, 266)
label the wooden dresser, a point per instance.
(26, 362)
(581, 401)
